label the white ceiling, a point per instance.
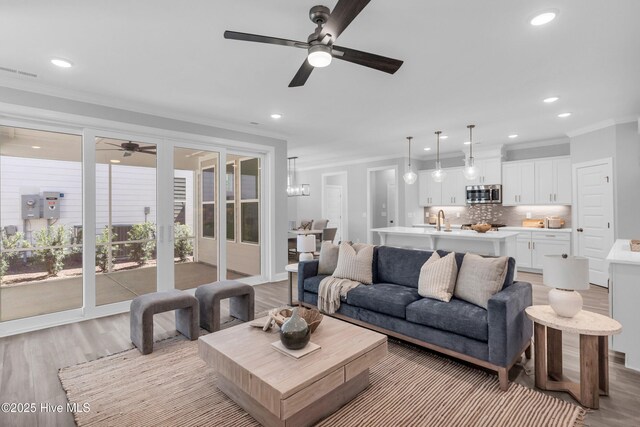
(465, 61)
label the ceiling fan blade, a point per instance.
(108, 149)
(153, 153)
(112, 144)
(302, 75)
(342, 15)
(147, 148)
(371, 60)
(234, 35)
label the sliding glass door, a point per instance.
(195, 217)
(126, 246)
(40, 222)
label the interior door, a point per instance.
(333, 208)
(391, 205)
(594, 215)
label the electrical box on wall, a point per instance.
(50, 205)
(31, 207)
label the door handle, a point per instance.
(580, 230)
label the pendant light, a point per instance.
(410, 177)
(438, 175)
(470, 170)
(292, 188)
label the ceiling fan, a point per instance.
(320, 44)
(129, 148)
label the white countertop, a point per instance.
(454, 234)
(508, 228)
(620, 253)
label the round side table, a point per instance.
(594, 330)
(291, 268)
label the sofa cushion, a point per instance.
(311, 284)
(480, 278)
(511, 266)
(400, 266)
(384, 298)
(438, 277)
(328, 260)
(457, 316)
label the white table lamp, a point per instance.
(306, 246)
(566, 274)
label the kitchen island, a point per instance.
(497, 243)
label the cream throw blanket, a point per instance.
(329, 293)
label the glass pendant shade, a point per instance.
(410, 177)
(470, 170)
(438, 175)
(294, 189)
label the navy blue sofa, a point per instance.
(494, 338)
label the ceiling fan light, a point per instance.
(319, 55)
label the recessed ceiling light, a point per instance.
(276, 116)
(563, 115)
(35, 147)
(467, 142)
(543, 18)
(550, 99)
(114, 161)
(443, 137)
(62, 63)
(513, 135)
(428, 148)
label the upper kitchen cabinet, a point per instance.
(429, 191)
(518, 183)
(454, 188)
(489, 172)
(553, 181)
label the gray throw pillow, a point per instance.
(480, 278)
(328, 258)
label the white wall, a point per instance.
(310, 207)
(621, 143)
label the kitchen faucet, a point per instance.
(438, 222)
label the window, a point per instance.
(231, 201)
(179, 199)
(249, 200)
(208, 202)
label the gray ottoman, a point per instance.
(145, 306)
(241, 305)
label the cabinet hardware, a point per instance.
(607, 178)
(529, 245)
(515, 198)
(533, 245)
(580, 230)
(555, 197)
(550, 197)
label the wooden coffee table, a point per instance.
(278, 390)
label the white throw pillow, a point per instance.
(480, 278)
(438, 277)
(355, 263)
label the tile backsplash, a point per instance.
(498, 214)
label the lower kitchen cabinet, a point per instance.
(532, 246)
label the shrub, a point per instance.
(103, 248)
(182, 246)
(141, 252)
(53, 259)
(16, 241)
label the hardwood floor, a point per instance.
(29, 362)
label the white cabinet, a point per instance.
(532, 246)
(553, 181)
(429, 191)
(454, 188)
(518, 183)
(489, 172)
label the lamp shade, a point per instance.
(565, 272)
(306, 243)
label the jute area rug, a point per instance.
(410, 387)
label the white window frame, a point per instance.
(241, 202)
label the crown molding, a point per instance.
(537, 144)
(602, 125)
